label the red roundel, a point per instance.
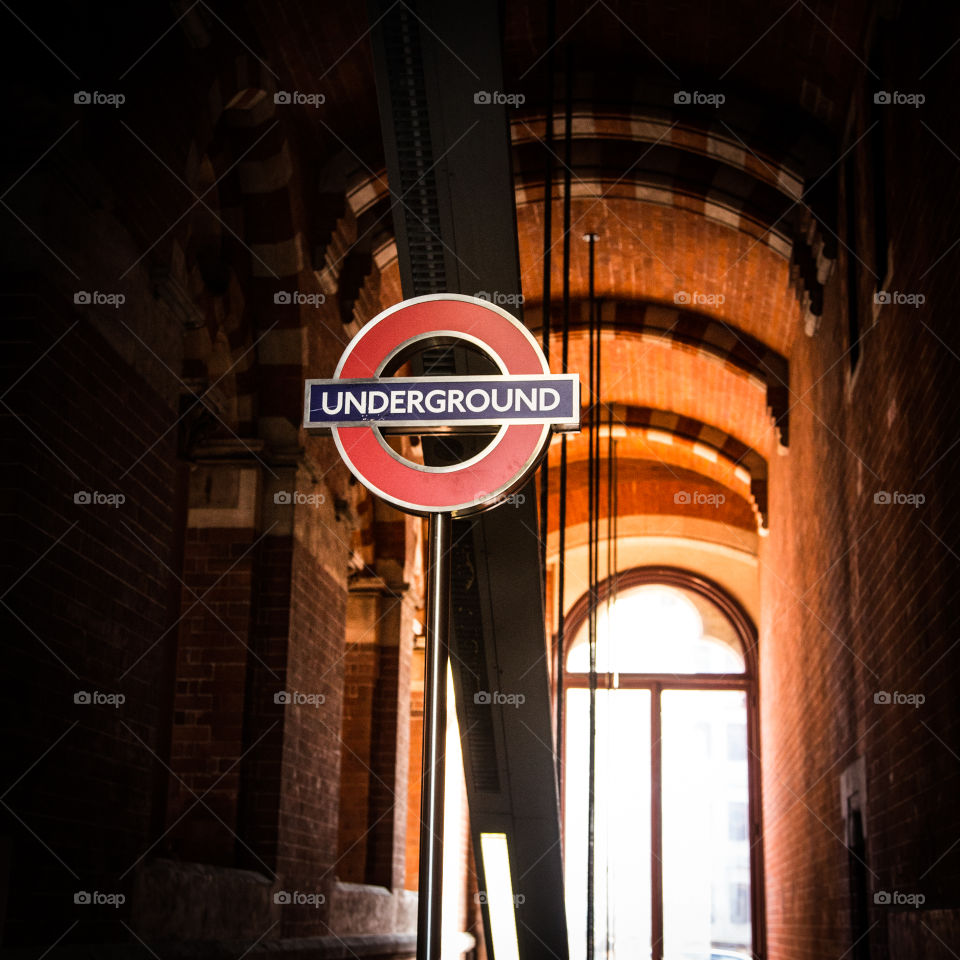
(501, 466)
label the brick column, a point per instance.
(375, 736)
(212, 654)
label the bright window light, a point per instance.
(500, 900)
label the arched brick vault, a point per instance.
(650, 252)
(652, 372)
(673, 176)
(686, 206)
(691, 330)
(766, 160)
(653, 487)
(673, 443)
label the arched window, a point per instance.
(677, 854)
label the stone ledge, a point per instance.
(375, 946)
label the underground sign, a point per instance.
(524, 402)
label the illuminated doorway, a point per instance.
(677, 853)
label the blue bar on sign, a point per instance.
(444, 401)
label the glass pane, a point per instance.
(622, 839)
(660, 629)
(706, 846)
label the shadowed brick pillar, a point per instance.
(375, 747)
(361, 662)
(291, 772)
(212, 656)
(390, 742)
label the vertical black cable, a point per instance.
(611, 654)
(609, 502)
(547, 268)
(597, 415)
(565, 357)
(593, 543)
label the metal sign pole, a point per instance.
(430, 913)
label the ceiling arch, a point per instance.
(653, 487)
(657, 374)
(660, 437)
(661, 254)
(690, 330)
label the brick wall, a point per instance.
(360, 674)
(309, 787)
(860, 597)
(212, 656)
(90, 604)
